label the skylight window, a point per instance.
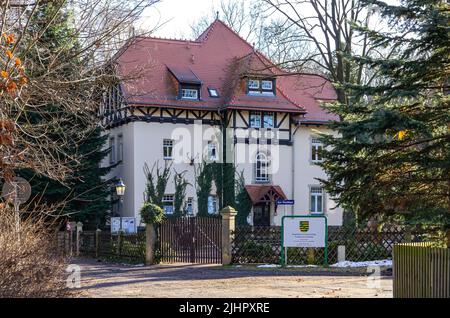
(213, 92)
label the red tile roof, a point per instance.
(256, 192)
(219, 58)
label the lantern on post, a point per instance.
(120, 192)
(120, 189)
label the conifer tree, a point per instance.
(83, 194)
(392, 154)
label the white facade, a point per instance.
(291, 165)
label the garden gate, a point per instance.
(191, 240)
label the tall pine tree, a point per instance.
(392, 155)
(84, 195)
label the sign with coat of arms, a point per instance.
(304, 231)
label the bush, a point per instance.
(152, 214)
(29, 266)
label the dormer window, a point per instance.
(253, 84)
(267, 85)
(189, 85)
(264, 87)
(189, 93)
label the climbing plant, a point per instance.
(243, 202)
(203, 184)
(156, 183)
(180, 193)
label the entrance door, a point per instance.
(261, 215)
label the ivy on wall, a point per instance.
(222, 174)
(156, 183)
(203, 184)
(180, 193)
(243, 202)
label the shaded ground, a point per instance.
(100, 279)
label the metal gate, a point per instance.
(191, 240)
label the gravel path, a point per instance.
(99, 279)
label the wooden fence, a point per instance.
(263, 245)
(191, 240)
(421, 271)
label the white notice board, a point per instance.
(304, 231)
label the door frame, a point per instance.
(266, 208)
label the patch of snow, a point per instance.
(268, 266)
(300, 266)
(384, 262)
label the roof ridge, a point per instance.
(203, 37)
(156, 38)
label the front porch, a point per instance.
(264, 198)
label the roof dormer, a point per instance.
(261, 86)
(189, 85)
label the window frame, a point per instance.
(169, 148)
(214, 202)
(190, 206)
(254, 90)
(262, 168)
(316, 195)
(267, 81)
(120, 148)
(212, 145)
(253, 80)
(196, 90)
(112, 149)
(316, 149)
(271, 114)
(210, 90)
(255, 113)
(165, 204)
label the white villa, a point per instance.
(174, 101)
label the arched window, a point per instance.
(262, 165)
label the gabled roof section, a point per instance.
(184, 75)
(219, 58)
(264, 193)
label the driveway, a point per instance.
(99, 279)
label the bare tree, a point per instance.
(329, 25)
(276, 38)
(36, 74)
(244, 17)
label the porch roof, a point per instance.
(260, 193)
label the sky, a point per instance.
(177, 16)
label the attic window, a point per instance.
(265, 87)
(189, 93)
(213, 92)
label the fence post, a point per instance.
(119, 243)
(97, 242)
(311, 256)
(408, 235)
(150, 242)
(71, 229)
(341, 253)
(448, 238)
(79, 229)
(228, 226)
